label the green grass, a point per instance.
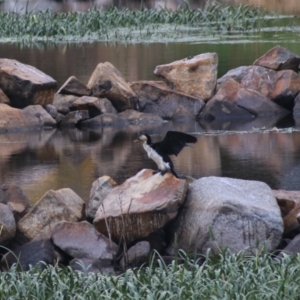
(129, 25)
(223, 277)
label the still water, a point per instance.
(54, 159)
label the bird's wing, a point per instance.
(173, 143)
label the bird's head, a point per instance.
(142, 138)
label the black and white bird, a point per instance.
(159, 152)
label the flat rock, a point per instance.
(279, 58)
(52, 208)
(31, 117)
(63, 102)
(136, 255)
(162, 102)
(95, 106)
(289, 203)
(34, 253)
(195, 76)
(7, 224)
(25, 85)
(135, 117)
(100, 189)
(107, 81)
(3, 98)
(141, 205)
(242, 215)
(82, 240)
(14, 197)
(73, 118)
(74, 87)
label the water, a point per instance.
(40, 161)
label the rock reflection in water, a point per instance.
(40, 161)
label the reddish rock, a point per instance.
(164, 102)
(279, 58)
(31, 117)
(52, 208)
(25, 85)
(82, 240)
(195, 76)
(235, 74)
(289, 203)
(106, 81)
(74, 87)
(141, 205)
(95, 106)
(13, 196)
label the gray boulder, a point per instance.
(7, 224)
(224, 212)
(74, 87)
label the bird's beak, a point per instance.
(137, 140)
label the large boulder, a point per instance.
(31, 117)
(74, 87)
(82, 240)
(34, 253)
(25, 85)
(100, 189)
(225, 212)
(141, 205)
(107, 81)
(279, 58)
(64, 102)
(7, 224)
(163, 102)
(52, 208)
(195, 76)
(14, 197)
(135, 117)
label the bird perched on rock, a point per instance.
(159, 152)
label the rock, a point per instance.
(52, 208)
(92, 266)
(279, 58)
(286, 89)
(100, 189)
(52, 111)
(195, 76)
(13, 196)
(164, 102)
(25, 85)
(136, 255)
(63, 102)
(106, 81)
(235, 74)
(73, 118)
(293, 248)
(31, 117)
(134, 117)
(104, 120)
(32, 253)
(296, 110)
(7, 224)
(95, 106)
(223, 104)
(141, 205)
(74, 87)
(81, 240)
(219, 212)
(3, 98)
(289, 203)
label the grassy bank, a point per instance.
(129, 25)
(223, 277)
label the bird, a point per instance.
(159, 152)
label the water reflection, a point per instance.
(39, 161)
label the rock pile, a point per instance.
(190, 90)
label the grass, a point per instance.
(220, 277)
(129, 25)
